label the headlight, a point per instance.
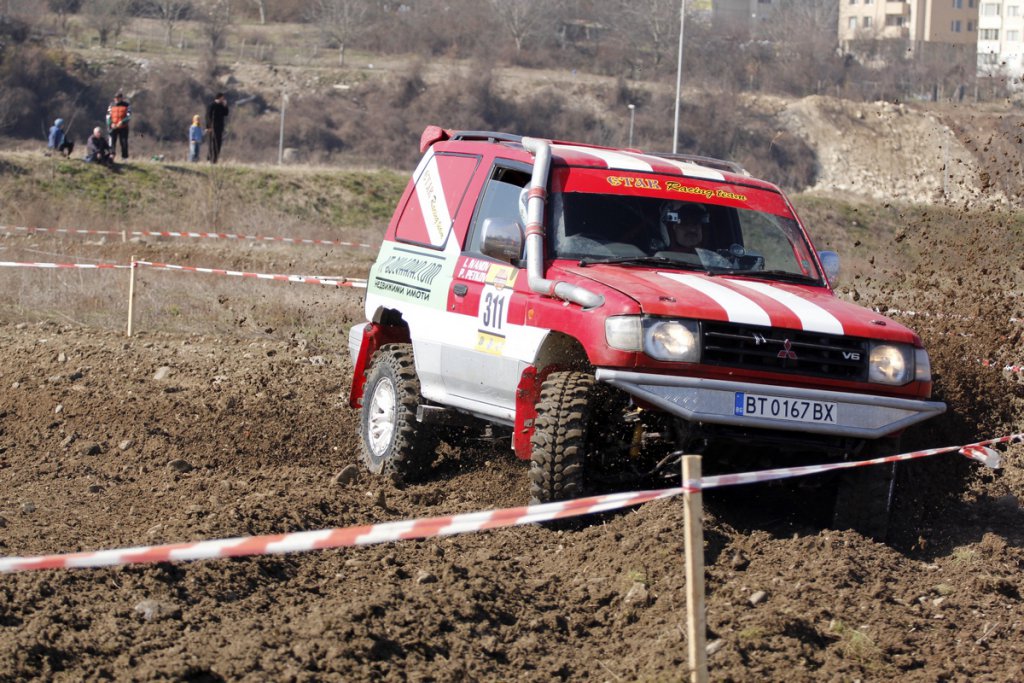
(891, 364)
(623, 332)
(922, 366)
(672, 340)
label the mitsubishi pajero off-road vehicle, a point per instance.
(614, 309)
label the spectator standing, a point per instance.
(58, 141)
(216, 117)
(119, 113)
(195, 139)
(97, 148)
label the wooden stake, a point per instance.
(695, 625)
(131, 297)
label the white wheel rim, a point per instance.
(380, 423)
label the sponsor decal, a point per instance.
(705, 192)
(407, 273)
(433, 204)
(488, 272)
(493, 344)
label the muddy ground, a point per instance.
(232, 420)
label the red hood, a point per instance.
(747, 301)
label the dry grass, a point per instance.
(314, 203)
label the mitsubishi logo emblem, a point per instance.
(787, 352)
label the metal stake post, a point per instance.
(695, 623)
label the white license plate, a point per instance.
(793, 409)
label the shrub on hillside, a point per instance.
(165, 106)
(35, 89)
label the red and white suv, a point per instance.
(614, 309)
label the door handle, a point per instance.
(460, 290)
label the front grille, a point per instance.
(788, 351)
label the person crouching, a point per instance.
(97, 149)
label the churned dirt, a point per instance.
(226, 415)
(174, 436)
(100, 447)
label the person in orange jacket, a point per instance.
(119, 113)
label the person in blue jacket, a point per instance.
(195, 139)
(58, 141)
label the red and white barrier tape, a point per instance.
(1016, 368)
(434, 527)
(87, 266)
(183, 233)
(306, 279)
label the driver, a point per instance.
(684, 223)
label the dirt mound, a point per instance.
(889, 152)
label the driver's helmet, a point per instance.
(674, 213)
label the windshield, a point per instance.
(670, 229)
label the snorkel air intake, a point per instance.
(541, 150)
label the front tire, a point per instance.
(560, 437)
(394, 443)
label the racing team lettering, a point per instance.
(707, 193)
(628, 181)
(673, 186)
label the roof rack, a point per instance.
(710, 162)
(489, 136)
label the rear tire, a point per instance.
(559, 440)
(394, 443)
(865, 494)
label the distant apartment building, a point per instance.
(742, 16)
(1000, 34)
(953, 22)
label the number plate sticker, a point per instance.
(793, 409)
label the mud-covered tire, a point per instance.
(394, 444)
(864, 495)
(559, 443)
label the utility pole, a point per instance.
(632, 111)
(679, 75)
(280, 140)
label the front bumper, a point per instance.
(694, 399)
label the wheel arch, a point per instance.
(558, 351)
(386, 326)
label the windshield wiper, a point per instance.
(784, 275)
(641, 261)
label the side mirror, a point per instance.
(502, 239)
(830, 263)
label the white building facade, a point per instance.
(1001, 39)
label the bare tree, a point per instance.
(522, 20)
(803, 35)
(261, 5)
(170, 12)
(108, 17)
(339, 21)
(63, 9)
(656, 24)
(215, 19)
